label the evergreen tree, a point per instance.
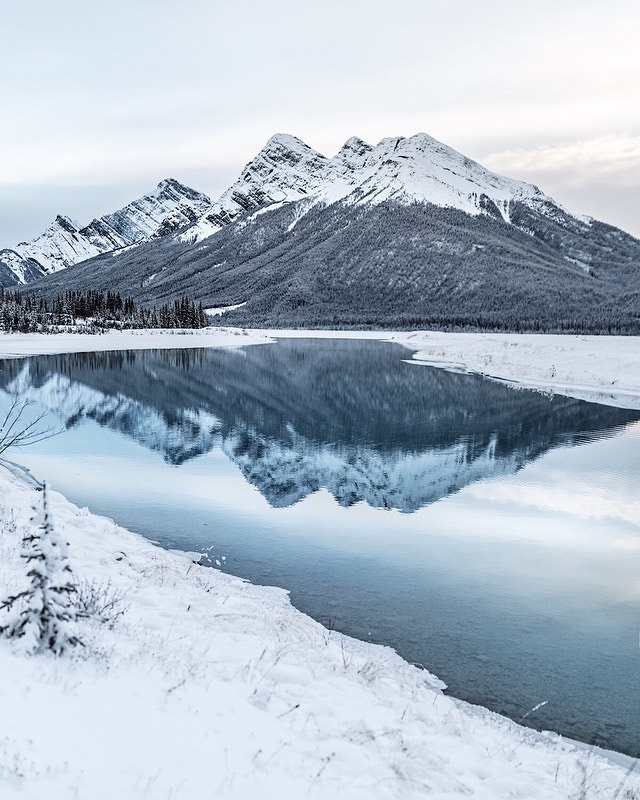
(43, 614)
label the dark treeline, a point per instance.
(93, 310)
(322, 318)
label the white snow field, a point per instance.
(14, 345)
(209, 687)
(602, 369)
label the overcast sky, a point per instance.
(101, 101)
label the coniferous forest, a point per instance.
(93, 311)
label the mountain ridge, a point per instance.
(406, 169)
(407, 232)
(170, 205)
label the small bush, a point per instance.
(98, 600)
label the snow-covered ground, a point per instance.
(13, 345)
(604, 369)
(207, 686)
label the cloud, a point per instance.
(614, 155)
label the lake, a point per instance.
(490, 534)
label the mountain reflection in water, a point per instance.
(346, 415)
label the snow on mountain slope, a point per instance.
(62, 244)
(285, 170)
(406, 170)
(16, 269)
(170, 206)
(421, 169)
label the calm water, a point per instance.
(489, 534)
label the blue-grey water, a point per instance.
(488, 534)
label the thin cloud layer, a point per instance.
(613, 155)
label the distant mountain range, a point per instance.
(169, 207)
(406, 233)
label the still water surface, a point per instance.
(489, 534)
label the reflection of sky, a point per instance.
(570, 519)
(525, 586)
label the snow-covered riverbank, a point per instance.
(208, 686)
(602, 369)
(14, 345)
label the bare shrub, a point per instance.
(100, 601)
(17, 431)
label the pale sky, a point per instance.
(101, 101)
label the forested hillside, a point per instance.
(389, 265)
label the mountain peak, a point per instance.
(172, 190)
(170, 183)
(66, 223)
(285, 141)
(171, 205)
(285, 162)
(352, 151)
(418, 144)
(411, 169)
(284, 150)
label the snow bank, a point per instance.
(14, 345)
(602, 369)
(208, 686)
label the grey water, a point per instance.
(489, 534)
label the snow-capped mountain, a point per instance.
(406, 233)
(16, 269)
(417, 169)
(169, 207)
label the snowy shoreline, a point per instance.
(210, 686)
(600, 369)
(18, 345)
